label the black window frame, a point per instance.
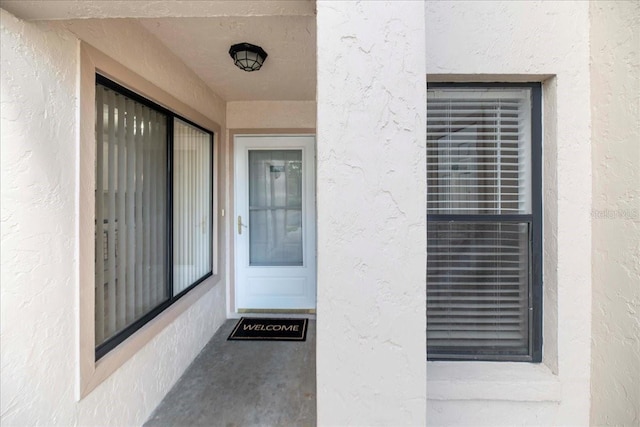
(112, 342)
(534, 219)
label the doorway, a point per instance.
(275, 224)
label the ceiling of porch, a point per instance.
(201, 32)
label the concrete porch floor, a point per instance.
(244, 383)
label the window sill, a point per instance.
(508, 381)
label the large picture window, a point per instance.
(153, 195)
(484, 222)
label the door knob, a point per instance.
(240, 224)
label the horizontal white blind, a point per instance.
(130, 211)
(478, 271)
(477, 287)
(192, 207)
(478, 151)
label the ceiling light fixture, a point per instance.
(247, 57)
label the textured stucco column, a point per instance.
(371, 365)
(615, 251)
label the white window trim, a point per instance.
(91, 373)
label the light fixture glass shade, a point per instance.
(247, 57)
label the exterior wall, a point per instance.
(41, 163)
(529, 41)
(371, 214)
(615, 108)
(38, 227)
(271, 114)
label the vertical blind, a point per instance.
(130, 211)
(478, 263)
(191, 205)
(148, 223)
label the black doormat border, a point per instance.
(263, 334)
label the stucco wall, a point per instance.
(39, 293)
(371, 223)
(529, 41)
(271, 114)
(39, 72)
(615, 108)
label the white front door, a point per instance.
(275, 224)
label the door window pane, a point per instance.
(275, 207)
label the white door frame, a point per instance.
(242, 144)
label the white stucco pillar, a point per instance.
(371, 355)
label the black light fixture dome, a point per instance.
(247, 57)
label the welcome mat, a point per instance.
(269, 329)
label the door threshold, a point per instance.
(277, 311)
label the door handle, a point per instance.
(240, 224)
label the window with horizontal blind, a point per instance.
(153, 204)
(484, 279)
